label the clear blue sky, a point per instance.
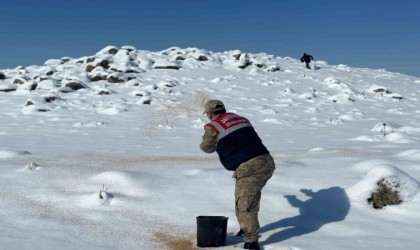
(359, 33)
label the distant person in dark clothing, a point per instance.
(307, 59)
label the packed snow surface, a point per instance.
(101, 152)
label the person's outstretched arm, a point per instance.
(209, 143)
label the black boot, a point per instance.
(251, 245)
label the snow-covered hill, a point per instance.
(128, 122)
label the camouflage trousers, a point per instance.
(251, 176)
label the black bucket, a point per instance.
(211, 231)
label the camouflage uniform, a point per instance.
(209, 143)
(251, 176)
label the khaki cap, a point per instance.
(213, 105)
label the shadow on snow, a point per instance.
(323, 207)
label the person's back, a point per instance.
(237, 140)
(306, 58)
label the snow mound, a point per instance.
(93, 200)
(347, 117)
(401, 138)
(341, 98)
(5, 87)
(387, 127)
(120, 182)
(47, 84)
(4, 153)
(331, 80)
(367, 165)
(112, 111)
(386, 132)
(407, 187)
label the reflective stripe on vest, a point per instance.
(228, 123)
